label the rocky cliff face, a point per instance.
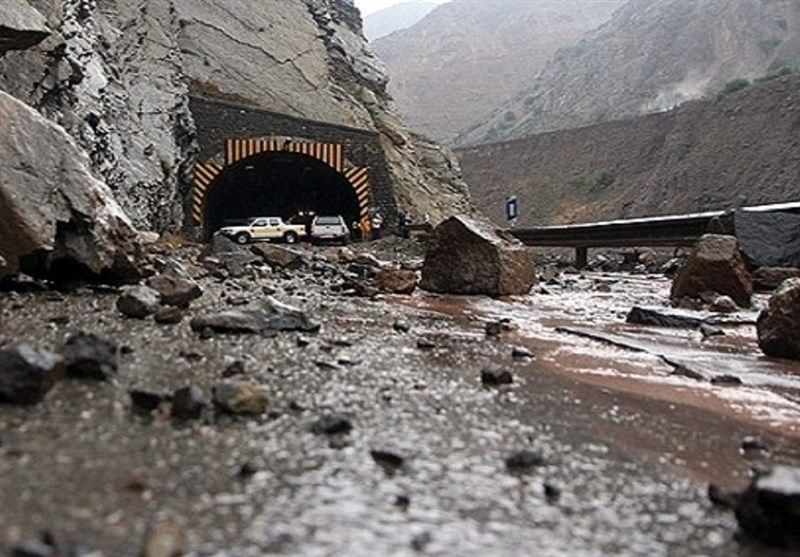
(465, 59)
(651, 56)
(743, 148)
(117, 76)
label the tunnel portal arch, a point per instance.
(321, 174)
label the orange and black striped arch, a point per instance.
(331, 154)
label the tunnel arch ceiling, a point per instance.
(277, 174)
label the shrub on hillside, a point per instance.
(733, 86)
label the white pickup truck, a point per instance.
(265, 228)
(330, 228)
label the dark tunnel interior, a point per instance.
(278, 184)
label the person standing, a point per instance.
(366, 229)
(377, 223)
(355, 231)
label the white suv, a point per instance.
(265, 228)
(327, 228)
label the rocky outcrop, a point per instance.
(56, 220)
(468, 257)
(111, 76)
(21, 26)
(778, 324)
(715, 266)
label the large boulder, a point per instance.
(769, 510)
(21, 26)
(467, 256)
(769, 239)
(778, 324)
(715, 266)
(56, 220)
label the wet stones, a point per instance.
(715, 265)
(175, 290)
(778, 324)
(769, 510)
(521, 353)
(188, 403)
(469, 257)
(27, 374)
(238, 397)
(138, 301)
(396, 281)
(524, 461)
(493, 375)
(332, 424)
(89, 356)
(272, 315)
(169, 315)
(278, 257)
(650, 317)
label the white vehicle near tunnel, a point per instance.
(265, 228)
(329, 229)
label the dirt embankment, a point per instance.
(742, 148)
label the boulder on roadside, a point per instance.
(769, 239)
(89, 356)
(766, 279)
(769, 510)
(715, 265)
(778, 324)
(175, 290)
(138, 301)
(396, 281)
(280, 258)
(272, 315)
(26, 374)
(21, 26)
(57, 221)
(467, 256)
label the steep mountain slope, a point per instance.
(395, 18)
(470, 56)
(743, 148)
(650, 56)
(117, 76)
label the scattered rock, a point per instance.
(175, 290)
(236, 367)
(278, 257)
(653, 318)
(468, 257)
(523, 461)
(753, 445)
(169, 315)
(367, 260)
(88, 356)
(401, 326)
(496, 328)
(421, 541)
(34, 548)
(402, 502)
(767, 279)
(709, 331)
(247, 470)
(164, 539)
(723, 304)
(188, 403)
(723, 497)
(770, 508)
(138, 301)
(273, 315)
(27, 374)
(494, 375)
(521, 353)
(551, 492)
(146, 401)
(715, 265)
(332, 424)
(725, 380)
(63, 224)
(389, 460)
(778, 324)
(236, 397)
(396, 281)
(425, 344)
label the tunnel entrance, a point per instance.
(277, 184)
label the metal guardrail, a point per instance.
(663, 231)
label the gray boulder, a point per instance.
(138, 302)
(769, 510)
(467, 256)
(21, 26)
(769, 239)
(778, 324)
(175, 290)
(56, 220)
(27, 374)
(237, 397)
(272, 316)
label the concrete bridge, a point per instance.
(255, 162)
(662, 231)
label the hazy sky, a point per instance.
(369, 6)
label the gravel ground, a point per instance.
(616, 465)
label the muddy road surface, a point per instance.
(379, 436)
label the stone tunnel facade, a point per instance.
(228, 132)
